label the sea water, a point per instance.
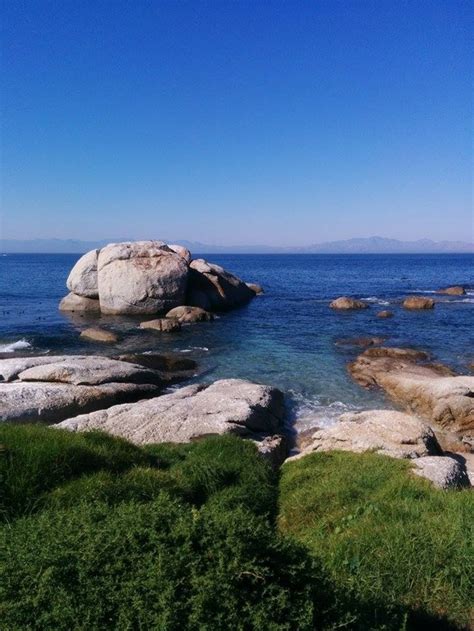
(289, 337)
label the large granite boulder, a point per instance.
(73, 302)
(344, 303)
(82, 279)
(385, 431)
(227, 406)
(431, 391)
(52, 402)
(212, 288)
(182, 251)
(141, 277)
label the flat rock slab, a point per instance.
(53, 402)
(89, 370)
(387, 432)
(226, 406)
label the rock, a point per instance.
(256, 288)
(274, 449)
(344, 303)
(429, 390)
(140, 277)
(10, 368)
(212, 288)
(385, 314)
(89, 370)
(445, 472)
(362, 341)
(226, 406)
(190, 314)
(82, 279)
(183, 252)
(165, 325)
(73, 302)
(52, 402)
(99, 335)
(457, 290)
(418, 302)
(388, 432)
(155, 361)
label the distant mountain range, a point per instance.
(371, 245)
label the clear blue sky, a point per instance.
(257, 122)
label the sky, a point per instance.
(236, 122)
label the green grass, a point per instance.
(99, 534)
(96, 533)
(389, 541)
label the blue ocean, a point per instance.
(289, 337)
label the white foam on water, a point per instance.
(310, 413)
(14, 346)
(193, 348)
(376, 300)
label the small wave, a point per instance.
(307, 413)
(193, 348)
(376, 300)
(422, 291)
(14, 346)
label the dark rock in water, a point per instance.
(99, 335)
(457, 290)
(345, 303)
(385, 314)
(165, 325)
(362, 341)
(256, 288)
(413, 303)
(232, 406)
(212, 288)
(166, 363)
(190, 314)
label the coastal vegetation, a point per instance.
(98, 533)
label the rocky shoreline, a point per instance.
(128, 395)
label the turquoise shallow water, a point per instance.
(286, 337)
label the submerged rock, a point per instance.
(165, 325)
(73, 302)
(82, 279)
(140, 277)
(385, 314)
(361, 341)
(226, 406)
(344, 303)
(190, 314)
(457, 290)
(413, 303)
(156, 361)
(99, 335)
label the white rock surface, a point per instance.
(443, 471)
(140, 277)
(226, 406)
(82, 279)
